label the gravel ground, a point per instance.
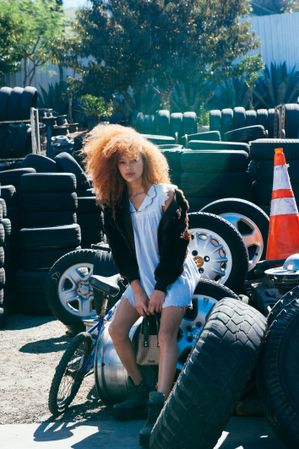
(31, 348)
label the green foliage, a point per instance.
(276, 86)
(10, 33)
(94, 106)
(231, 93)
(37, 24)
(55, 97)
(158, 42)
(266, 7)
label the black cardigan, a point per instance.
(173, 239)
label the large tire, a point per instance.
(69, 295)
(5, 93)
(48, 201)
(214, 161)
(48, 182)
(262, 117)
(13, 106)
(263, 149)
(50, 237)
(67, 163)
(215, 120)
(292, 120)
(227, 115)
(28, 100)
(14, 176)
(250, 220)
(239, 117)
(282, 304)
(201, 402)
(176, 124)
(42, 164)
(214, 145)
(69, 373)
(219, 250)
(163, 122)
(245, 134)
(250, 117)
(189, 122)
(278, 374)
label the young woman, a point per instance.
(145, 220)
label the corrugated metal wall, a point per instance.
(279, 37)
(278, 34)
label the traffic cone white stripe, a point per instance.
(283, 206)
(281, 177)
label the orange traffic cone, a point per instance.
(283, 237)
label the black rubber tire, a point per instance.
(48, 182)
(213, 136)
(227, 115)
(48, 201)
(50, 237)
(13, 106)
(176, 124)
(215, 120)
(250, 117)
(72, 361)
(174, 159)
(67, 163)
(45, 219)
(2, 259)
(57, 277)
(138, 122)
(14, 176)
(5, 93)
(42, 164)
(239, 256)
(213, 184)
(264, 171)
(3, 208)
(239, 118)
(28, 100)
(263, 149)
(189, 122)
(2, 277)
(245, 134)
(196, 203)
(159, 140)
(271, 121)
(2, 234)
(41, 260)
(278, 374)
(7, 227)
(208, 145)
(162, 118)
(201, 403)
(214, 161)
(87, 204)
(282, 304)
(8, 196)
(262, 192)
(292, 120)
(149, 124)
(31, 298)
(248, 210)
(262, 117)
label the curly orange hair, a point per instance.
(103, 148)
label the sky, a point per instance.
(73, 3)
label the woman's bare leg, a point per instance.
(124, 318)
(171, 318)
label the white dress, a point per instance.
(145, 222)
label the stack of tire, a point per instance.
(228, 119)
(261, 167)
(207, 175)
(48, 204)
(5, 230)
(89, 215)
(166, 123)
(15, 104)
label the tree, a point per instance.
(161, 42)
(38, 23)
(266, 7)
(10, 34)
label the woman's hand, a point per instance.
(141, 298)
(156, 302)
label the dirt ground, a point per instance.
(31, 348)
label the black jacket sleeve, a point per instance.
(173, 242)
(123, 255)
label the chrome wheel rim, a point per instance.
(211, 254)
(74, 291)
(251, 235)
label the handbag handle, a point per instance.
(146, 327)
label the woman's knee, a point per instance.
(117, 333)
(168, 336)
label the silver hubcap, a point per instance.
(74, 291)
(211, 254)
(251, 236)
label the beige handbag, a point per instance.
(148, 343)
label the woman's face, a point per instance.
(130, 169)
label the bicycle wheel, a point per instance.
(69, 373)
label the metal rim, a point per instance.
(251, 235)
(74, 291)
(211, 254)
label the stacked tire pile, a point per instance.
(261, 168)
(89, 215)
(207, 175)
(48, 205)
(5, 259)
(15, 104)
(166, 123)
(227, 120)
